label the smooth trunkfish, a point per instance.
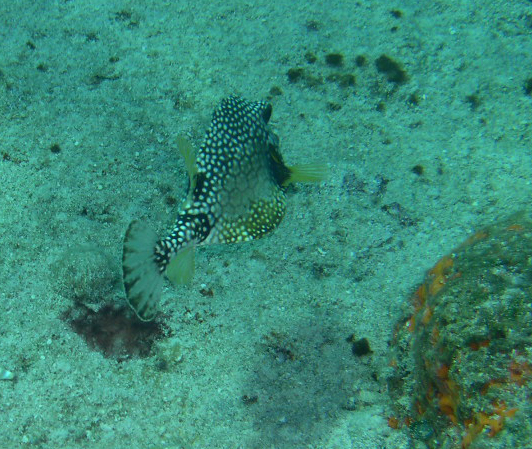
(236, 193)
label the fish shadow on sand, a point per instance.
(303, 382)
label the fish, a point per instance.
(236, 193)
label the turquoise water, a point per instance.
(420, 108)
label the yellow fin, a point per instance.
(181, 269)
(186, 150)
(307, 173)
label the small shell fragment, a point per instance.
(6, 375)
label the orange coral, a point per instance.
(480, 235)
(448, 397)
(495, 422)
(434, 335)
(427, 315)
(515, 227)
(448, 405)
(476, 345)
(419, 297)
(393, 422)
(520, 373)
(447, 373)
(438, 274)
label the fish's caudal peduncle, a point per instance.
(188, 230)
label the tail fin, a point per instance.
(142, 279)
(307, 173)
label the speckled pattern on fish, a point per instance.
(237, 190)
(236, 194)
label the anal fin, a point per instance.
(181, 269)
